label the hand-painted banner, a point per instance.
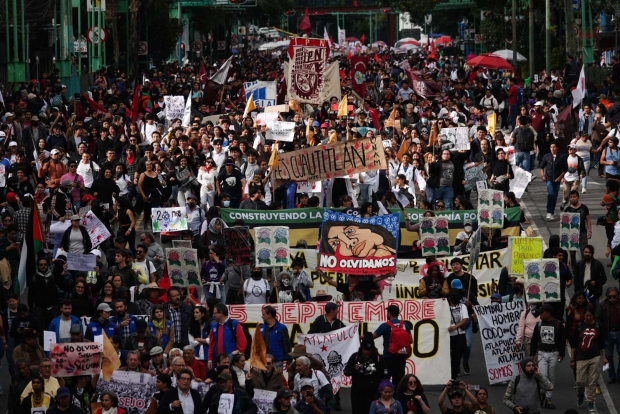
(305, 79)
(491, 208)
(81, 262)
(523, 248)
(454, 138)
(169, 219)
(281, 131)
(133, 389)
(174, 107)
(272, 246)
(97, 231)
(435, 236)
(430, 358)
(334, 348)
(263, 93)
(331, 160)
(498, 330)
(238, 245)
(72, 359)
(473, 175)
(542, 280)
(357, 245)
(404, 286)
(569, 231)
(183, 266)
(304, 223)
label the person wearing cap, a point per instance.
(396, 363)
(541, 122)
(29, 349)
(307, 400)
(76, 239)
(366, 368)
(553, 167)
(523, 140)
(232, 182)
(327, 322)
(51, 384)
(52, 170)
(574, 173)
(548, 347)
(36, 400)
(30, 134)
(276, 336)
(518, 290)
(100, 323)
(243, 404)
(142, 340)
(64, 403)
(456, 390)
(62, 324)
(158, 362)
(282, 402)
(56, 138)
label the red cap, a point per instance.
(87, 198)
(606, 198)
(10, 197)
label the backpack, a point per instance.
(248, 337)
(519, 96)
(524, 139)
(400, 340)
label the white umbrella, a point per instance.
(267, 46)
(405, 39)
(283, 43)
(507, 54)
(409, 46)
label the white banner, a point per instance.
(405, 285)
(169, 219)
(335, 348)
(342, 37)
(97, 231)
(263, 93)
(281, 131)
(498, 330)
(430, 359)
(175, 107)
(520, 182)
(267, 118)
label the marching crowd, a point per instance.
(113, 152)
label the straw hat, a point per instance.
(321, 296)
(299, 350)
(152, 286)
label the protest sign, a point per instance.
(498, 330)
(133, 389)
(435, 236)
(277, 108)
(97, 231)
(454, 138)
(306, 71)
(357, 245)
(49, 339)
(520, 181)
(473, 175)
(309, 187)
(569, 231)
(81, 262)
(430, 359)
(267, 118)
(405, 285)
(481, 185)
(281, 131)
(59, 227)
(272, 246)
(491, 208)
(264, 400)
(183, 266)
(542, 280)
(331, 160)
(174, 107)
(169, 219)
(334, 349)
(238, 245)
(304, 223)
(263, 93)
(71, 359)
(523, 248)
(84, 210)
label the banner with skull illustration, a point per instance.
(305, 78)
(334, 349)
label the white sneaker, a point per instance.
(549, 216)
(583, 190)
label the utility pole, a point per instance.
(514, 33)
(548, 36)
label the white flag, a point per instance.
(580, 91)
(221, 75)
(334, 349)
(326, 36)
(341, 37)
(187, 115)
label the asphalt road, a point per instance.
(564, 395)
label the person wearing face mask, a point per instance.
(225, 200)
(462, 244)
(517, 292)
(285, 292)
(256, 289)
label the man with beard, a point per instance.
(125, 322)
(62, 324)
(44, 306)
(179, 313)
(590, 275)
(523, 392)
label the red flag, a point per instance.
(362, 39)
(383, 57)
(374, 115)
(358, 74)
(94, 105)
(558, 84)
(376, 57)
(79, 111)
(202, 74)
(331, 41)
(432, 55)
(241, 97)
(305, 25)
(349, 55)
(135, 103)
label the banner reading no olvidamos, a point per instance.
(331, 160)
(358, 245)
(430, 357)
(498, 330)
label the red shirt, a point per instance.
(539, 121)
(200, 371)
(512, 95)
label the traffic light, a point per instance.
(385, 10)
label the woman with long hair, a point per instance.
(126, 222)
(385, 402)
(150, 190)
(410, 393)
(161, 327)
(104, 187)
(206, 177)
(81, 299)
(366, 369)
(199, 328)
(107, 294)
(237, 364)
(575, 312)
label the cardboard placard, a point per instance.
(71, 359)
(81, 262)
(183, 266)
(169, 219)
(272, 246)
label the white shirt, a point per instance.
(573, 165)
(459, 312)
(318, 381)
(143, 265)
(255, 291)
(64, 334)
(219, 158)
(187, 402)
(85, 171)
(148, 131)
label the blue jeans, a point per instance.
(222, 289)
(446, 194)
(586, 165)
(469, 335)
(522, 159)
(613, 340)
(553, 189)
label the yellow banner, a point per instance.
(523, 248)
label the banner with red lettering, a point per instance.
(430, 356)
(305, 78)
(71, 359)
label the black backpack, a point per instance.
(248, 337)
(524, 139)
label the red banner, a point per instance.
(305, 79)
(358, 74)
